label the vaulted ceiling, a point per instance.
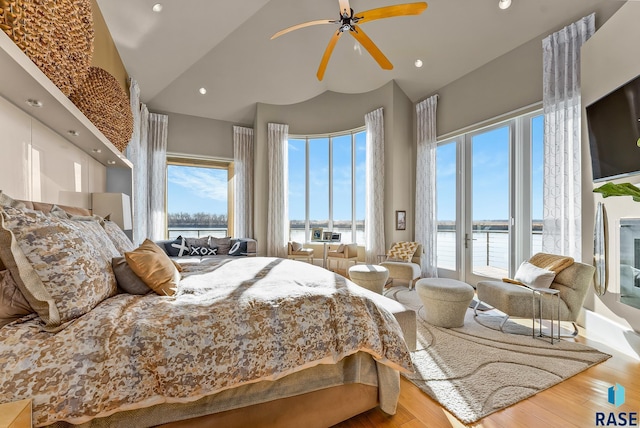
(225, 47)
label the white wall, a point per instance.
(609, 59)
(40, 165)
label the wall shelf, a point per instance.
(22, 80)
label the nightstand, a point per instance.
(16, 414)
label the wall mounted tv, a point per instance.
(614, 132)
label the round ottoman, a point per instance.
(445, 300)
(371, 277)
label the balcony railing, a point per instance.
(195, 232)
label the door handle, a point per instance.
(467, 239)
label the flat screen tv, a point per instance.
(614, 132)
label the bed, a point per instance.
(251, 341)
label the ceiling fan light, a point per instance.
(157, 8)
(418, 63)
(504, 4)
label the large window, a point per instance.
(489, 198)
(198, 202)
(327, 185)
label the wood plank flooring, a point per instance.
(572, 403)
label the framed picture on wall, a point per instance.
(335, 237)
(401, 220)
(316, 234)
(326, 236)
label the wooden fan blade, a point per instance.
(368, 44)
(391, 11)
(303, 25)
(344, 7)
(327, 54)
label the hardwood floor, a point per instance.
(572, 403)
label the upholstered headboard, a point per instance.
(46, 208)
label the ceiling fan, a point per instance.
(348, 22)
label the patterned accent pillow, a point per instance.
(118, 237)
(402, 251)
(177, 248)
(63, 266)
(13, 305)
(154, 267)
(223, 244)
(203, 251)
(239, 248)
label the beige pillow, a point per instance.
(296, 246)
(154, 267)
(402, 251)
(13, 305)
(223, 244)
(62, 266)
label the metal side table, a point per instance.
(551, 295)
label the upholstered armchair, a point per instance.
(406, 270)
(516, 300)
(296, 251)
(344, 253)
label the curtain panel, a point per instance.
(138, 158)
(243, 181)
(562, 217)
(426, 216)
(374, 199)
(157, 164)
(278, 212)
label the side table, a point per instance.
(541, 294)
(16, 414)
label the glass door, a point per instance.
(487, 237)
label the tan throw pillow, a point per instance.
(154, 267)
(296, 246)
(402, 251)
(13, 305)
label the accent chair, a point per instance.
(516, 300)
(408, 271)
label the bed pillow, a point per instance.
(154, 267)
(223, 244)
(13, 304)
(118, 237)
(127, 279)
(534, 276)
(62, 266)
(177, 248)
(402, 251)
(205, 250)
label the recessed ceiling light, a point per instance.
(34, 103)
(202, 91)
(73, 132)
(504, 4)
(96, 150)
(157, 8)
(418, 63)
(111, 162)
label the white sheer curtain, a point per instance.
(278, 210)
(374, 199)
(243, 180)
(157, 164)
(426, 216)
(562, 109)
(136, 152)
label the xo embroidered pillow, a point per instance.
(402, 251)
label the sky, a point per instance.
(196, 189)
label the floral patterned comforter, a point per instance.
(232, 323)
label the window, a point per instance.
(327, 185)
(198, 202)
(489, 198)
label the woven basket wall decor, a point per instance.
(57, 35)
(101, 98)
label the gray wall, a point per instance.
(609, 59)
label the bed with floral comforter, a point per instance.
(230, 323)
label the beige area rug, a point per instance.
(476, 370)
